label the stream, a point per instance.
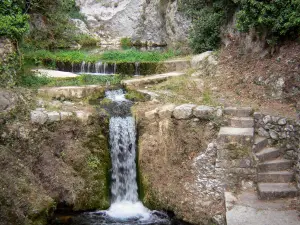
(125, 209)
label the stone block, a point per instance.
(65, 115)
(204, 112)
(166, 111)
(184, 111)
(53, 116)
(39, 117)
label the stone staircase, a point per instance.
(240, 129)
(274, 173)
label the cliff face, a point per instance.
(155, 22)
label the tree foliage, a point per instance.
(50, 21)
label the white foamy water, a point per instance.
(116, 95)
(126, 209)
(124, 190)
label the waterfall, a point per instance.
(82, 69)
(98, 67)
(124, 188)
(89, 67)
(115, 68)
(137, 69)
(125, 209)
(122, 141)
(104, 68)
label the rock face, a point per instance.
(156, 22)
(177, 165)
(7, 62)
(42, 166)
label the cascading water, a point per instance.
(125, 207)
(137, 69)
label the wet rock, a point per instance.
(184, 111)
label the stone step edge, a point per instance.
(268, 191)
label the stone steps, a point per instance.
(242, 122)
(243, 136)
(269, 191)
(268, 154)
(151, 79)
(275, 165)
(238, 111)
(275, 177)
(259, 143)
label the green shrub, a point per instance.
(13, 23)
(207, 18)
(278, 19)
(125, 42)
(205, 34)
(86, 40)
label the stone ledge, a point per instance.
(41, 116)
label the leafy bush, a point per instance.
(207, 17)
(205, 34)
(51, 26)
(125, 42)
(86, 40)
(13, 23)
(278, 18)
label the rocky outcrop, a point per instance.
(8, 62)
(155, 22)
(42, 166)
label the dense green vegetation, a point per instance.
(278, 19)
(13, 23)
(33, 81)
(207, 17)
(130, 55)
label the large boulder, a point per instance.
(205, 64)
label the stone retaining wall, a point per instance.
(284, 132)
